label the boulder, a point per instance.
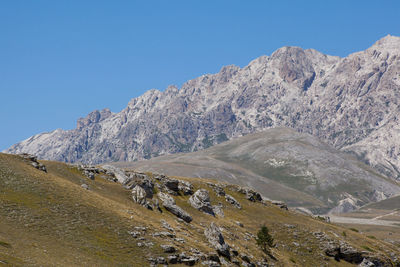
(216, 239)
(169, 204)
(117, 173)
(343, 251)
(164, 234)
(173, 259)
(142, 180)
(217, 209)
(168, 248)
(252, 195)
(213, 257)
(201, 200)
(233, 201)
(185, 187)
(210, 263)
(187, 260)
(172, 185)
(350, 254)
(85, 186)
(366, 263)
(139, 195)
(218, 189)
(89, 174)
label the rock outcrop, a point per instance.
(119, 174)
(139, 195)
(33, 161)
(233, 201)
(201, 200)
(216, 239)
(169, 204)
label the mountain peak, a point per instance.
(347, 102)
(287, 50)
(388, 43)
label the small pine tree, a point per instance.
(264, 239)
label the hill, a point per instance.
(283, 165)
(48, 218)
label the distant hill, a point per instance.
(351, 103)
(54, 214)
(285, 165)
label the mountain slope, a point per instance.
(282, 164)
(49, 219)
(352, 103)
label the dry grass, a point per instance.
(48, 219)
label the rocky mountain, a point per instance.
(352, 103)
(57, 214)
(284, 165)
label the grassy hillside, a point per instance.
(48, 219)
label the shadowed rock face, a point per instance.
(352, 103)
(201, 201)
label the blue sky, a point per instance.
(59, 60)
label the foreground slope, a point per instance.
(284, 165)
(49, 219)
(352, 103)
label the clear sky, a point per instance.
(59, 60)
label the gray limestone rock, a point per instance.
(185, 187)
(168, 248)
(216, 239)
(201, 200)
(233, 201)
(117, 172)
(139, 195)
(169, 204)
(85, 186)
(218, 210)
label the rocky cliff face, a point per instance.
(352, 103)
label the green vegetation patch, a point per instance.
(5, 244)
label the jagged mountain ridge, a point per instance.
(352, 103)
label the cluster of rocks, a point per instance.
(156, 191)
(217, 188)
(33, 161)
(341, 250)
(220, 191)
(90, 171)
(251, 195)
(173, 186)
(224, 252)
(181, 258)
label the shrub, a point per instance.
(264, 239)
